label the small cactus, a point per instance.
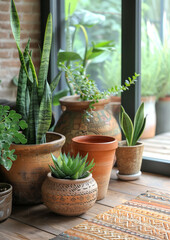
(67, 167)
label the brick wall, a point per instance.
(29, 15)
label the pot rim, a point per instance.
(139, 144)
(74, 99)
(62, 138)
(9, 186)
(68, 181)
(106, 143)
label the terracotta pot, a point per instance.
(163, 115)
(5, 201)
(129, 158)
(72, 122)
(31, 167)
(102, 150)
(150, 112)
(69, 197)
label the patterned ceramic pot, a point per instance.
(72, 122)
(31, 167)
(129, 158)
(5, 201)
(69, 197)
(102, 150)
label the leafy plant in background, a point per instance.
(67, 167)
(10, 125)
(34, 94)
(132, 131)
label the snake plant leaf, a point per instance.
(15, 24)
(45, 57)
(21, 101)
(33, 115)
(127, 127)
(138, 123)
(140, 132)
(45, 114)
(55, 81)
(33, 69)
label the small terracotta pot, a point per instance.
(5, 201)
(73, 122)
(31, 167)
(102, 150)
(129, 158)
(69, 197)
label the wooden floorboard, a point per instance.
(37, 222)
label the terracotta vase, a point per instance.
(129, 160)
(31, 167)
(102, 150)
(163, 115)
(69, 197)
(5, 201)
(73, 123)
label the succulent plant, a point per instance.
(69, 167)
(132, 131)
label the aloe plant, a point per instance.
(69, 167)
(34, 95)
(132, 131)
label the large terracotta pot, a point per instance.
(102, 150)
(5, 201)
(73, 123)
(69, 197)
(163, 115)
(31, 167)
(129, 160)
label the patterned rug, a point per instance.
(145, 217)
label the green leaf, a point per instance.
(23, 124)
(127, 127)
(138, 123)
(15, 24)
(45, 114)
(58, 95)
(42, 77)
(55, 82)
(64, 56)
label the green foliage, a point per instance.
(10, 125)
(132, 131)
(68, 167)
(34, 94)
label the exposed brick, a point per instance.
(5, 25)
(4, 54)
(25, 8)
(11, 63)
(26, 26)
(3, 35)
(5, 6)
(31, 18)
(4, 17)
(7, 45)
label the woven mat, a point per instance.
(145, 217)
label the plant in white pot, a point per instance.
(129, 152)
(69, 188)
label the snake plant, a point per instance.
(132, 131)
(69, 167)
(34, 94)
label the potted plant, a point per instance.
(84, 112)
(34, 103)
(10, 124)
(129, 152)
(102, 150)
(69, 188)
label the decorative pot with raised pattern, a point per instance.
(69, 197)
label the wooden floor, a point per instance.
(37, 222)
(158, 147)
